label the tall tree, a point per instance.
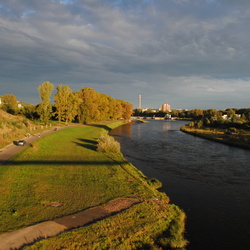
(61, 101)
(106, 107)
(89, 108)
(118, 109)
(45, 107)
(73, 105)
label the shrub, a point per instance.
(107, 144)
(153, 182)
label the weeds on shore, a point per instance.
(231, 136)
(107, 144)
(147, 225)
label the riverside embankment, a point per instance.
(65, 169)
(238, 139)
(209, 180)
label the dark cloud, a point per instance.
(180, 50)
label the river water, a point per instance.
(208, 180)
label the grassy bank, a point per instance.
(16, 127)
(66, 169)
(238, 139)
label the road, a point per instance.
(10, 150)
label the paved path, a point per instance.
(24, 236)
(10, 150)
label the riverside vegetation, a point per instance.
(232, 130)
(66, 168)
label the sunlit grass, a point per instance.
(239, 139)
(148, 225)
(65, 168)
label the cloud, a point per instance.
(126, 47)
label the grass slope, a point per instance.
(65, 168)
(239, 139)
(16, 127)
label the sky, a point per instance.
(189, 53)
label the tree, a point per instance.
(126, 110)
(230, 113)
(45, 107)
(210, 113)
(89, 108)
(137, 112)
(197, 113)
(61, 101)
(29, 111)
(117, 109)
(10, 104)
(73, 105)
(97, 107)
(106, 107)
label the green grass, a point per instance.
(65, 167)
(238, 139)
(148, 225)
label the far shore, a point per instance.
(233, 139)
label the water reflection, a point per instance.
(210, 181)
(165, 126)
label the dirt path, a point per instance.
(29, 235)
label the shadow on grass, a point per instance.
(62, 162)
(89, 144)
(101, 126)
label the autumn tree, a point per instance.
(106, 107)
(62, 101)
(9, 103)
(118, 109)
(45, 107)
(30, 112)
(73, 106)
(89, 108)
(126, 110)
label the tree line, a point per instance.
(197, 114)
(224, 119)
(84, 106)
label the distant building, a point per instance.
(139, 102)
(165, 107)
(19, 105)
(226, 117)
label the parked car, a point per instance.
(21, 143)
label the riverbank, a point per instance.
(18, 127)
(241, 140)
(64, 168)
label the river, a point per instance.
(208, 180)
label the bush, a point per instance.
(107, 144)
(153, 182)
